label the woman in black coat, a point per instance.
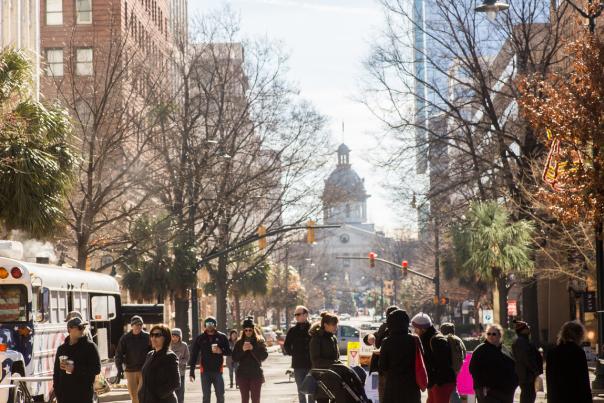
(161, 377)
(77, 363)
(397, 361)
(493, 369)
(249, 352)
(566, 371)
(324, 351)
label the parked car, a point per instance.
(344, 316)
(346, 333)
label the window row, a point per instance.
(54, 12)
(55, 63)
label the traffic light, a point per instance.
(436, 300)
(444, 301)
(262, 234)
(405, 266)
(372, 257)
(310, 232)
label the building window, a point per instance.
(84, 62)
(54, 12)
(84, 11)
(54, 62)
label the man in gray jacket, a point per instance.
(132, 351)
(182, 352)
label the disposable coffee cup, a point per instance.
(69, 363)
(214, 347)
(63, 358)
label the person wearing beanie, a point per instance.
(132, 352)
(397, 361)
(529, 364)
(437, 357)
(249, 352)
(77, 363)
(297, 345)
(211, 346)
(375, 339)
(182, 352)
(458, 354)
(324, 351)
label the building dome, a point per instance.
(344, 195)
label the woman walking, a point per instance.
(566, 371)
(232, 365)
(161, 377)
(493, 369)
(397, 361)
(182, 352)
(249, 352)
(323, 346)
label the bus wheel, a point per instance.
(19, 394)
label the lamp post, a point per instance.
(491, 8)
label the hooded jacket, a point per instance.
(250, 361)
(297, 345)
(493, 367)
(182, 352)
(209, 362)
(437, 357)
(323, 347)
(132, 351)
(567, 375)
(529, 364)
(397, 360)
(77, 387)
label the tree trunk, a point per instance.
(503, 301)
(477, 298)
(82, 252)
(181, 315)
(221, 293)
(237, 304)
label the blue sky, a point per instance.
(327, 41)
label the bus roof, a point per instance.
(56, 277)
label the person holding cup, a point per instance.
(249, 352)
(212, 346)
(77, 363)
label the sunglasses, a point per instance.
(77, 327)
(156, 334)
(248, 330)
(299, 314)
(492, 334)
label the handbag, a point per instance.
(421, 375)
(309, 385)
(260, 364)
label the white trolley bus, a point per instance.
(34, 302)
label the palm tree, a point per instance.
(492, 249)
(36, 159)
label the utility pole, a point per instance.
(437, 269)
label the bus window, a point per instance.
(58, 306)
(41, 304)
(102, 307)
(80, 303)
(13, 303)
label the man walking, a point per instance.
(132, 351)
(437, 357)
(529, 364)
(458, 354)
(212, 345)
(296, 345)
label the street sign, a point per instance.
(353, 348)
(388, 288)
(487, 316)
(512, 308)
(589, 301)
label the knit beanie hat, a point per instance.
(520, 326)
(421, 321)
(391, 309)
(248, 323)
(447, 328)
(177, 332)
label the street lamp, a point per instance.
(492, 7)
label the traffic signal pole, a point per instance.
(388, 262)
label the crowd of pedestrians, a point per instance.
(410, 355)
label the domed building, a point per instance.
(344, 195)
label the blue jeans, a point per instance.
(299, 375)
(180, 392)
(215, 378)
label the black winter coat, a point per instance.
(202, 345)
(161, 378)
(529, 364)
(132, 351)
(493, 367)
(437, 357)
(250, 361)
(397, 360)
(566, 375)
(324, 351)
(296, 345)
(380, 335)
(77, 387)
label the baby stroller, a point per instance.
(341, 384)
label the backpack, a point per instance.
(458, 352)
